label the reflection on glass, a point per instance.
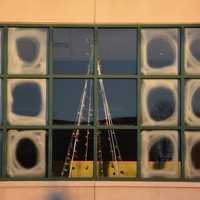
(161, 103)
(192, 103)
(192, 50)
(196, 102)
(73, 50)
(26, 153)
(155, 56)
(0, 51)
(195, 151)
(160, 154)
(116, 153)
(27, 50)
(27, 101)
(1, 147)
(1, 98)
(159, 51)
(192, 150)
(117, 50)
(72, 101)
(73, 153)
(117, 101)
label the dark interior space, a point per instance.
(61, 141)
(160, 152)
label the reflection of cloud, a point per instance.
(55, 196)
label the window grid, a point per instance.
(181, 77)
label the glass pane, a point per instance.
(1, 104)
(27, 51)
(27, 101)
(160, 154)
(26, 153)
(1, 148)
(1, 42)
(73, 50)
(192, 99)
(117, 153)
(192, 150)
(159, 51)
(159, 102)
(117, 101)
(117, 50)
(73, 153)
(72, 101)
(192, 50)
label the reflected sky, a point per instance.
(117, 50)
(72, 50)
(27, 99)
(160, 53)
(161, 103)
(121, 96)
(67, 95)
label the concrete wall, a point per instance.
(99, 191)
(99, 12)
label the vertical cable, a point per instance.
(182, 95)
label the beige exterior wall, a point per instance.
(99, 191)
(99, 11)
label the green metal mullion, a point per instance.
(160, 127)
(117, 76)
(27, 76)
(72, 25)
(26, 127)
(155, 26)
(50, 100)
(138, 102)
(4, 139)
(73, 76)
(2, 101)
(164, 76)
(95, 175)
(182, 102)
(68, 127)
(121, 127)
(113, 26)
(192, 76)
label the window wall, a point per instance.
(100, 103)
